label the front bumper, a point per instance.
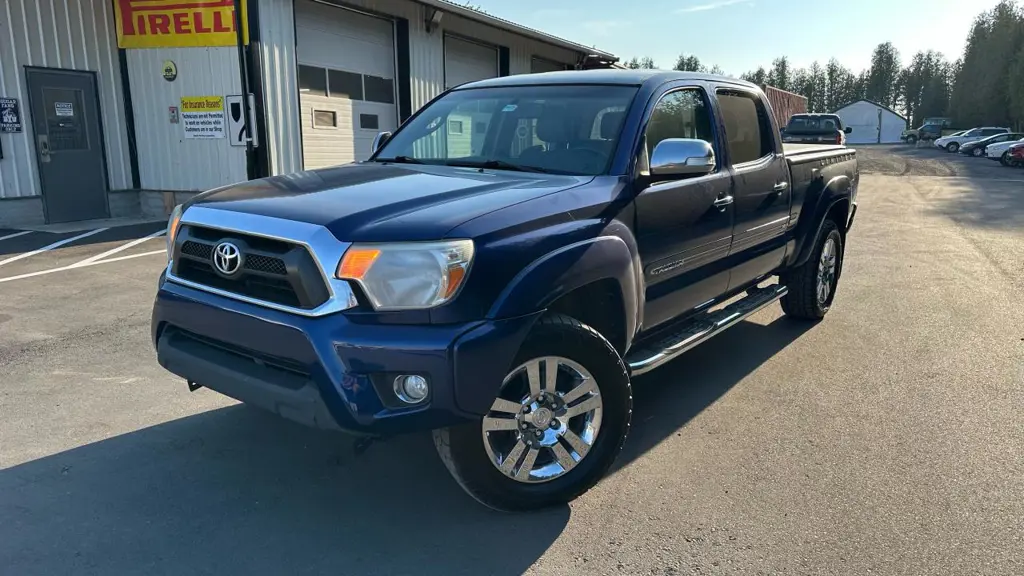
(330, 372)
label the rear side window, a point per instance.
(748, 130)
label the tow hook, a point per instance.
(192, 386)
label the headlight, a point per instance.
(408, 275)
(172, 229)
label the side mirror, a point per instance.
(379, 140)
(848, 129)
(682, 157)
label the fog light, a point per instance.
(411, 389)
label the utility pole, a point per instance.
(243, 71)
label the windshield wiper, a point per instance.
(496, 165)
(399, 160)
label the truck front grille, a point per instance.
(273, 271)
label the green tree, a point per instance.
(716, 69)
(759, 76)
(780, 73)
(884, 74)
(1016, 80)
(689, 63)
(984, 89)
(645, 62)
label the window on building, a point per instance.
(748, 129)
(455, 126)
(379, 89)
(343, 84)
(369, 121)
(325, 119)
(312, 80)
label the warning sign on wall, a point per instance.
(203, 116)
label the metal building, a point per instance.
(872, 123)
(125, 107)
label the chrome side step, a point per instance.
(651, 355)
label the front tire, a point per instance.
(952, 147)
(812, 286)
(912, 140)
(1005, 159)
(557, 425)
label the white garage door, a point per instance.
(346, 82)
(466, 61)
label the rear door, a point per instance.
(761, 185)
(684, 225)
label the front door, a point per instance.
(69, 145)
(684, 226)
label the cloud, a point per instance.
(603, 27)
(712, 6)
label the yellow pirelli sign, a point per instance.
(178, 23)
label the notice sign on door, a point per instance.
(65, 108)
(10, 116)
(203, 116)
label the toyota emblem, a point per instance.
(227, 258)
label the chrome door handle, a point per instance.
(722, 202)
(780, 187)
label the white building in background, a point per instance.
(125, 107)
(872, 123)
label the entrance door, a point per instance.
(69, 149)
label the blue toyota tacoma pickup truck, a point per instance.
(503, 264)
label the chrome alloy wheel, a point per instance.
(544, 421)
(826, 270)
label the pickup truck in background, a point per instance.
(928, 132)
(501, 286)
(815, 129)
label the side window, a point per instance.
(679, 114)
(747, 126)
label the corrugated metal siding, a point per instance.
(281, 90)
(167, 160)
(70, 34)
(784, 104)
(426, 62)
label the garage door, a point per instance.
(346, 82)
(466, 61)
(542, 65)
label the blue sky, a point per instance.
(739, 35)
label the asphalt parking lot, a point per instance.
(886, 439)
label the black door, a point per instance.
(761, 186)
(69, 144)
(683, 235)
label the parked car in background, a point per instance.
(952, 144)
(815, 129)
(978, 147)
(607, 222)
(1015, 155)
(930, 129)
(999, 152)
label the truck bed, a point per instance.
(801, 149)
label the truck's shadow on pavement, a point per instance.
(234, 491)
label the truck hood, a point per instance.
(371, 202)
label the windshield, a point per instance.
(555, 129)
(813, 124)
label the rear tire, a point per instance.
(538, 476)
(912, 140)
(978, 152)
(952, 147)
(812, 286)
(1005, 159)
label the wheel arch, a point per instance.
(834, 203)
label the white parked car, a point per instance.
(997, 151)
(953, 143)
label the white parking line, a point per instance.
(76, 266)
(57, 244)
(15, 235)
(112, 251)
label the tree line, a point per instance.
(985, 86)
